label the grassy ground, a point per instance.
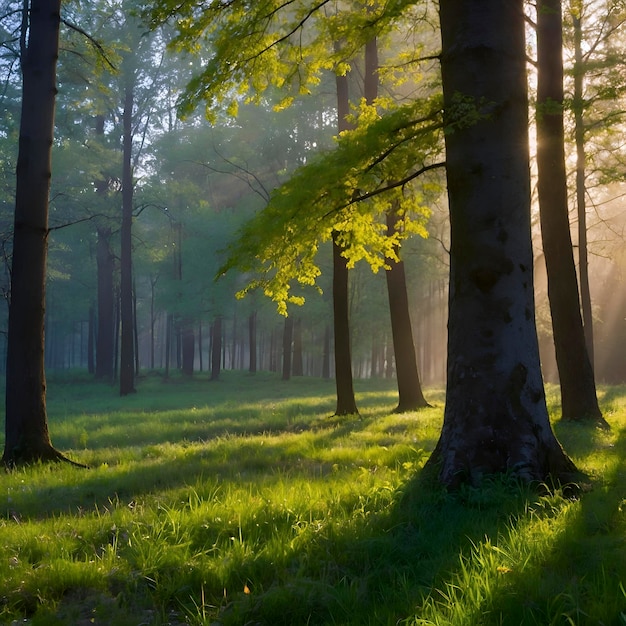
(243, 502)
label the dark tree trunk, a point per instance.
(106, 306)
(169, 323)
(578, 390)
(91, 333)
(127, 360)
(495, 419)
(346, 402)
(252, 340)
(26, 422)
(216, 347)
(287, 347)
(410, 396)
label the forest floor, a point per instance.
(243, 502)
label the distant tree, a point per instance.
(27, 437)
(578, 391)
(495, 419)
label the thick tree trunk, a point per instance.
(495, 420)
(410, 395)
(26, 422)
(578, 390)
(127, 360)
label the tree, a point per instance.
(27, 436)
(495, 419)
(410, 395)
(578, 390)
(346, 401)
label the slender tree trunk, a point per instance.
(91, 333)
(26, 422)
(410, 395)
(216, 347)
(578, 390)
(581, 190)
(495, 419)
(346, 402)
(127, 369)
(169, 323)
(410, 392)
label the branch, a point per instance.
(93, 41)
(388, 187)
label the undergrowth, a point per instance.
(244, 502)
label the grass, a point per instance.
(243, 502)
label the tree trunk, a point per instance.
(410, 396)
(127, 361)
(495, 419)
(91, 332)
(346, 402)
(216, 347)
(578, 390)
(26, 422)
(581, 190)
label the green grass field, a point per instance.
(243, 502)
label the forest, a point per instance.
(313, 312)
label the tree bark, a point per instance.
(346, 402)
(26, 423)
(410, 395)
(127, 361)
(495, 419)
(578, 389)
